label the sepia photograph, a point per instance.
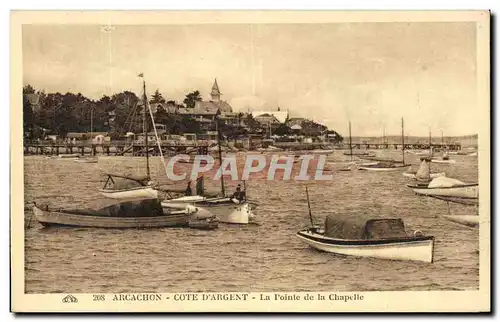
(250, 158)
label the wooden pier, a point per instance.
(408, 146)
(115, 148)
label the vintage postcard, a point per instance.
(250, 161)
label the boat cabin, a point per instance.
(355, 227)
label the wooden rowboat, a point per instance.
(139, 214)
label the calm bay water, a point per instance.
(265, 257)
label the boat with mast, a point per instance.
(424, 173)
(391, 165)
(235, 209)
(363, 236)
(351, 153)
(445, 158)
(123, 187)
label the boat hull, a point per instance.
(375, 169)
(410, 249)
(225, 210)
(468, 220)
(130, 194)
(466, 191)
(432, 175)
(443, 161)
(59, 218)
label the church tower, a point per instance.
(215, 94)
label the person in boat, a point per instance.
(239, 195)
(188, 191)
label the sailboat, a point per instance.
(447, 188)
(121, 187)
(424, 172)
(390, 165)
(233, 209)
(91, 159)
(350, 153)
(444, 157)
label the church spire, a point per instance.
(215, 94)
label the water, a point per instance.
(255, 258)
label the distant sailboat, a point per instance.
(390, 165)
(445, 158)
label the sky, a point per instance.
(371, 74)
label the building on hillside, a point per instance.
(280, 116)
(205, 112)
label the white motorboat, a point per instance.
(416, 248)
(356, 235)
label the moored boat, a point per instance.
(385, 167)
(69, 156)
(145, 213)
(467, 220)
(361, 236)
(127, 188)
(424, 172)
(447, 187)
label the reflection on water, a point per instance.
(265, 257)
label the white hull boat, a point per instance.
(467, 191)
(225, 209)
(467, 220)
(443, 161)
(69, 156)
(383, 169)
(409, 249)
(326, 152)
(135, 193)
(413, 175)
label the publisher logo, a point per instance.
(69, 299)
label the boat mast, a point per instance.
(91, 121)
(430, 143)
(442, 143)
(350, 140)
(220, 156)
(309, 207)
(145, 127)
(403, 138)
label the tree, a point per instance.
(192, 98)
(157, 98)
(282, 130)
(28, 89)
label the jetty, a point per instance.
(112, 148)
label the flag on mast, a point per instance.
(141, 75)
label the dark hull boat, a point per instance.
(146, 213)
